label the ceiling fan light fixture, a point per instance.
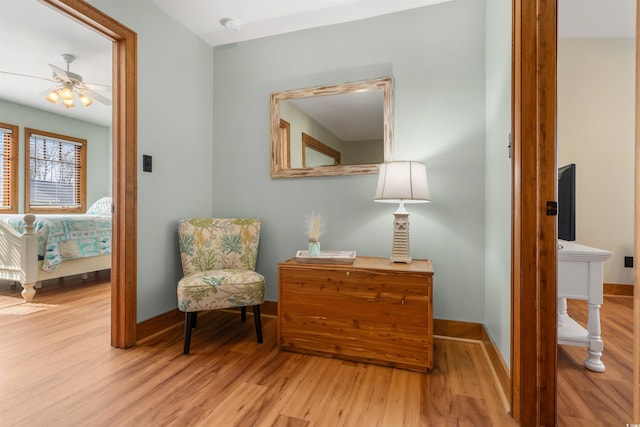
(70, 85)
(53, 97)
(66, 93)
(86, 101)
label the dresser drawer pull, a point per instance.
(348, 273)
(402, 301)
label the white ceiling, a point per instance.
(261, 18)
(32, 35)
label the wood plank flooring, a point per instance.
(58, 369)
(587, 398)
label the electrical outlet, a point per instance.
(628, 261)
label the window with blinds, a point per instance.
(9, 168)
(56, 173)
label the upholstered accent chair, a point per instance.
(218, 262)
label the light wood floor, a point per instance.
(58, 369)
(594, 399)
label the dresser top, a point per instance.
(369, 263)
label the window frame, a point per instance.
(14, 147)
(82, 174)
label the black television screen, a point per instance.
(567, 202)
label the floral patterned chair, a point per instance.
(218, 262)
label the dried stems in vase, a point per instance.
(314, 235)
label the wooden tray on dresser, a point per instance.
(327, 257)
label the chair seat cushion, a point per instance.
(214, 289)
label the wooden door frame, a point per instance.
(124, 165)
(636, 233)
(534, 263)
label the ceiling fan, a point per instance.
(68, 83)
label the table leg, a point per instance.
(562, 309)
(595, 345)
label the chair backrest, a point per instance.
(218, 243)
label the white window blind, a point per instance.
(55, 168)
(6, 156)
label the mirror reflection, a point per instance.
(331, 130)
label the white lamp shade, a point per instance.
(402, 181)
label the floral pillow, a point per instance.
(101, 207)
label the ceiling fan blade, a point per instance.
(60, 73)
(91, 94)
(26, 75)
(96, 86)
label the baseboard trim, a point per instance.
(456, 329)
(447, 328)
(477, 332)
(159, 324)
(616, 289)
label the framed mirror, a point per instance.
(343, 129)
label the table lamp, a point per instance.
(402, 182)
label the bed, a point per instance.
(51, 246)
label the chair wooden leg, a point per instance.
(243, 314)
(256, 318)
(189, 324)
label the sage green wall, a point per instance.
(436, 56)
(497, 300)
(175, 88)
(98, 144)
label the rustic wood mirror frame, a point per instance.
(279, 167)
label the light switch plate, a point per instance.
(146, 163)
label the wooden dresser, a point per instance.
(372, 311)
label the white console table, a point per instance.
(580, 277)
